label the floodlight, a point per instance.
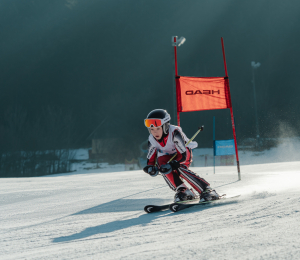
(255, 65)
(179, 41)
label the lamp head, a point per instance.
(255, 65)
(178, 42)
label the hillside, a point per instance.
(100, 216)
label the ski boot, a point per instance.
(183, 193)
(209, 194)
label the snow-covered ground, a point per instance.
(91, 214)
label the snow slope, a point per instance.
(100, 216)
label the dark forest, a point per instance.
(73, 70)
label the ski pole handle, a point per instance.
(194, 136)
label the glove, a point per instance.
(174, 164)
(166, 168)
(151, 170)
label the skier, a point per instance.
(164, 142)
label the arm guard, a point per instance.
(151, 154)
(179, 145)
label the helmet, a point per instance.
(161, 118)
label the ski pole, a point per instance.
(200, 129)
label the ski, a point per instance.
(156, 208)
(175, 207)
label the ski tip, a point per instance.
(148, 209)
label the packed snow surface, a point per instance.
(98, 215)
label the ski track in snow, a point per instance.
(100, 216)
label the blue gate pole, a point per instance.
(214, 144)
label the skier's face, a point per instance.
(157, 132)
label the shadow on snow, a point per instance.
(123, 204)
(117, 225)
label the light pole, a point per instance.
(255, 66)
(176, 43)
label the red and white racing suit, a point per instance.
(164, 149)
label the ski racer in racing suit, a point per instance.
(164, 142)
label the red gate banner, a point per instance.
(202, 93)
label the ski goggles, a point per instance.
(153, 122)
